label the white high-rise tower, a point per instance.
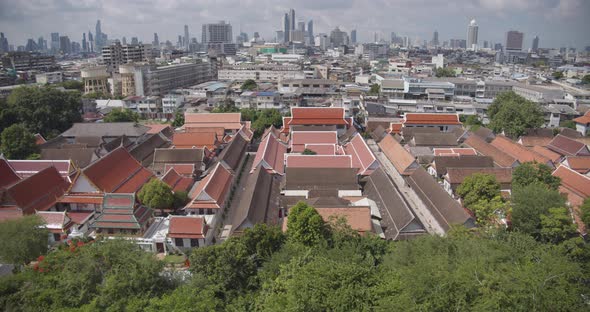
(472, 35)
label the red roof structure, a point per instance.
(318, 161)
(578, 164)
(568, 147)
(121, 212)
(459, 151)
(187, 227)
(176, 181)
(300, 138)
(316, 116)
(573, 181)
(358, 218)
(27, 168)
(501, 158)
(212, 190)
(228, 121)
(401, 159)
(323, 149)
(7, 174)
(117, 172)
(519, 151)
(431, 119)
(195, 140)
(39, 139)
(362, 156)
(271, 154)
(584, 120)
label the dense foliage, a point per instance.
(178, 119)
(531, 173)
(512, 114)
(260, 118)
(481, 194)
(156, 194)
(445, 72)
(42, 110)
(22, 240)
(249, 85)
(121, 115)
(17, 142)
(375, 89)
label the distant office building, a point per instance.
(84, 43)
(98, 36)
(458, 43)
(186, 38)
(65, 45)
(514, 40)
(31, 46)
(280, 36)
(156, 42)
(26, 61)
(498, 47)
(301, 26)
(117, 54)
(54, 42)
(286, 28)
(3, 43)
(338, 37)
(435, 39)
(41, 44)
(218, 33)
(472, 31)
(90, 42)
(353, 36)
(535, 46)
(485, 44)
(310, 31)
(134, 40)
(292, 19)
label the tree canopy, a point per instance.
(18, 143)
(121, 115)
(375, 89)
(445, 72)
(512, 114)
(260, 118)
(178, 119)
(156, 195)
(530, 173)
(249, 85)
(22, 240)
(42, 110)
(531, 201)
(586, 79)
(72, 85)
(305, 225)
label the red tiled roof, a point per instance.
(359, 218)
(322, 149)
(271, 152)
(81, 199)
(213, 187)
(500, 158)
(117, 172)
(431, 119)
(7, 175)
(182, 169)
(535, 140)
(518, 151)
(220, 131)
(39, 139)
(192, 118)
(401, 159)
(10, 213)
(579, 164)
(567, 147)
(395, 128)
(362, 157)
(300, 138)
(54, 218)
(195, 139)
(318, 161)
(454, 151)
(176, 181)
(39, 191)
(317, 112)
(553, 156)
(156, 128)
(27, 168)
(187, 227)
(578, 183)
(585, 120)
(78, 217)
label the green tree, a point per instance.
(18, 142)
(531, 201)
(42, 110)
(532, 172)
(121, 115)
(308, 152)
(180, 199)
(375, 89)
(72, 85)
(486, 211)
(473, 122)
(512, 114)
(568, 124)
(178, 119)
(585, 212)
(249, 85)
(586, 79)
(557, 75)
(478, 187)
(22, 240)
(263, 241)
(305, 225)
(445, 72)
(557, 226)
(156, 195)
(97, 96)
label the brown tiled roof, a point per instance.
(434, 139)
(518, 151)
(570, 133)
(454, 151)
(318, 161)
(271, 153)
(321, 179)
(81, 157)
(254, 202)
(117, 172)
(176, 181)
(578, 164)
(443, 208)
(568, 147)
(233, 153)
(553, 156)
(441, 163)
(144, 151)
(39, 139)
(187, 227)
(431, 119)
(220, 131)
(570, 179)
(7, 175)
(195, 140)
(458, 175)
(39, 191)
(500, 158)
(401, 159)
(27, 168)
(408, 133)
(530, 141)
(484, 133)
(358, 218)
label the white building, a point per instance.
(49, 78)
(260, 73)
(171, 102)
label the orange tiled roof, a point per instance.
(195, 139)
(318, 161)
(573, 181)
(187, 227)
(486, 149)
(583, 119)
(401, 159)
(518, 151)
(553, 156)
(431, 119)
(579, 164)
(300, 138)
(39, 191)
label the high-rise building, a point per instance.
(514, 40)
(291, 19)
(217, 33)
(535, 46)
(353, 36)
(338, 37)
(84, 43)
(90, 42)
(301, 26)
(3, 43)
(65, 46)
(156, 42)
(134, 40)
(98, 36)
(54, 42)
(186, 38)
(472, 35)
(485, 44)
(310, 31)
(124, 41)
(286, 28)
(280, 36)
(435, 39)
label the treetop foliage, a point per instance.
(18, 143)
(121, 115)
(512, 114)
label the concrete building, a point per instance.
(163, 79)
(472, 33)
(95, 79)
(260, 73)
(49, 78)
(217, 33)
(171, 102)
(353, 36)
(26, 61)
(535, 45)
(514, 40)
(117, 54)
(338, 37)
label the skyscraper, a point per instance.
(435, 39)
(186, 38)
(472, 35)
(84, 44)
(156, 42)
(90, 42)
(353, 36)
(219, 33)
(286, 28)
(310, 31)
(54, 42)
(535, 46)
(291, 19)
(301, 26)
(3, 43)
(98, 36)
(514, 40)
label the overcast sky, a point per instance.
(556, 22)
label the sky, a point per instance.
(557, 22)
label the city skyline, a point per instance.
(559, 23)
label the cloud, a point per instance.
(563, 21)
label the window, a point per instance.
(194, 242)
(178, 242)
(56, 237)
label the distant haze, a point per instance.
(557, 22)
